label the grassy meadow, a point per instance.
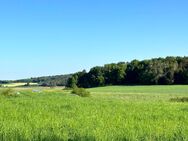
(125, 113)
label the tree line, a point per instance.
(157, 71)
(48, 81)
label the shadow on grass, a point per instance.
(179, 99)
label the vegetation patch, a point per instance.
(20, 84)
(185, 109)
(8, 92)
(81, 92)
(146, 115)
(179, 99)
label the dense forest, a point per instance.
(158, 71)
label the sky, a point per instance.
(50, 37)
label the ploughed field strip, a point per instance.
(110, 113)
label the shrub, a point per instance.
(179, 99)
(81, 92)
(27, 84)
(8, 92)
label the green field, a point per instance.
(131, 113)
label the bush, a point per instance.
(8, 92)
(179, 99)
(81, 92)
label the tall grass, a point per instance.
(8, 92)
(55, 115)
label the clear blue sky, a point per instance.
(47, 37)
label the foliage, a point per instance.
(48, 81)
(27, 84)
(80, 92)
(158, 71)
(72, 82)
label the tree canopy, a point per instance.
(157, 71)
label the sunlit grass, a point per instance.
(110, 113)
(18, 84)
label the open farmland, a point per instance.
(18, 84)
(111, 113)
